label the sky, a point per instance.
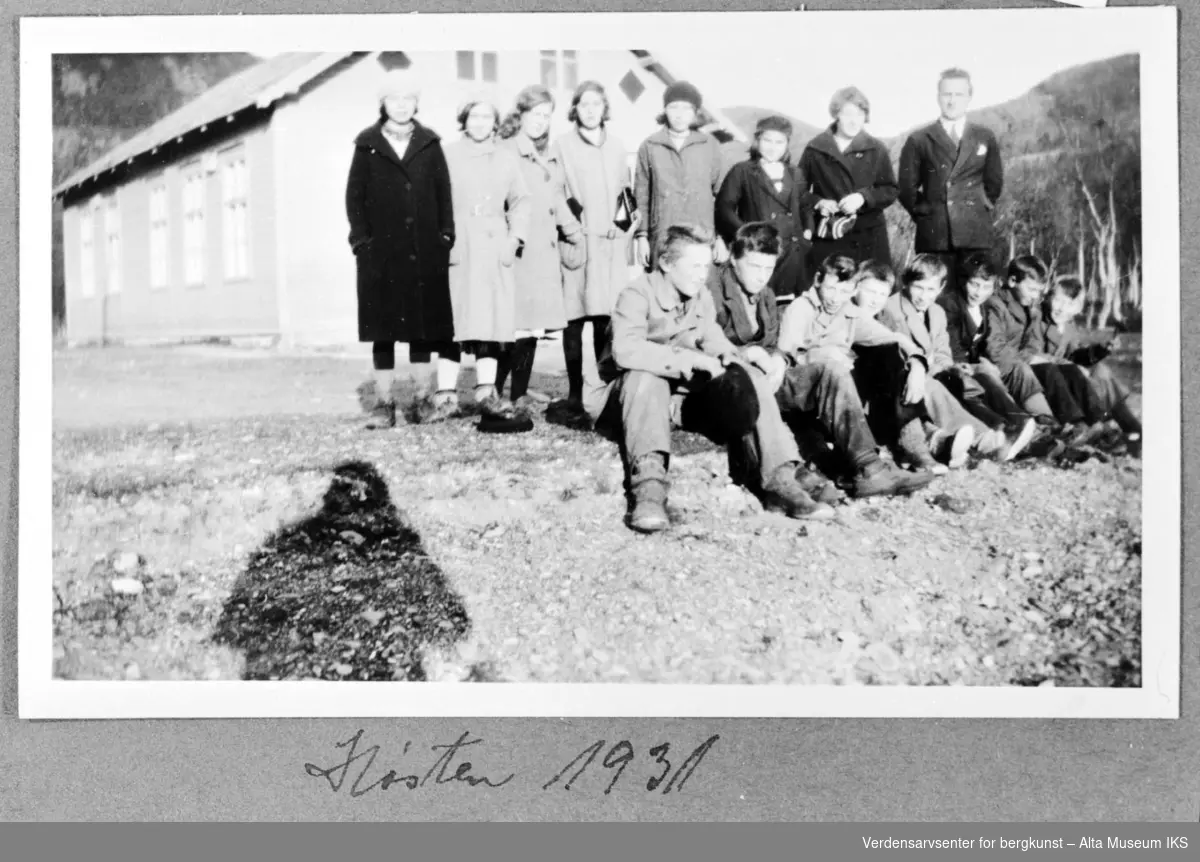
(896, 64)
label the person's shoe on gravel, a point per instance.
(818, 486)
(952, 449)
(441, 407)
(878, 479)
(913, 448)
(649, 487)
(782, 493)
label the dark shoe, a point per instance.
(568, 413)
(648, 480)
(782, 493)
(818, 487)
(913, 449)
(1045, 445)
(879, 479)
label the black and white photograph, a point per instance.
(671, 364)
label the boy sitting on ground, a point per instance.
(1058, 341)
(914, 312)
(974, 379)
(666, 342)
(1014, 317)
(820, 333)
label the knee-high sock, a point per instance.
(521, 358)
(485, 371)
(447, 374)
(573, 354)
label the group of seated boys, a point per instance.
(999, 371)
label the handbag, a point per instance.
(835, 226)
(626, 208)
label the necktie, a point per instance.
(954, 136)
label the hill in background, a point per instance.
(1075, 136)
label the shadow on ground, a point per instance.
(348, 593)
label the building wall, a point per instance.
(313, 137)
(215, 307)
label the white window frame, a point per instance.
(235, 214)
(112, 244)
(195, 225)
(559, 70)
(479, 62)
(160, 235)
(87, 250)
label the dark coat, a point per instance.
(951, 194)
(965, 337)
(763, 330)
(401, 231)
(676, 186)
(866, 167)
(748, 195)
(1009, 325)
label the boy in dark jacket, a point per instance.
(1058, 343)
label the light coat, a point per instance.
(485, 179)
(595, 176)
(676, 186)
(927, 330)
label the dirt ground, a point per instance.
(222, 514)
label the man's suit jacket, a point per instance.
(951, 194)
(965, 337)
(927, 330)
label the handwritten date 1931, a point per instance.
(621, 755)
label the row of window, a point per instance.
(559, 68)
(235, 228)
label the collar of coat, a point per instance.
(918, 326)
(848, 309)
(665, 293)
(736, 299)
(826, 143)
(972, 137)
(373, 136)
(663, 137)
(526, 149)
(1008, 298)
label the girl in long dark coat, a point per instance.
(850, 177)
(767, 188)
(401, 231)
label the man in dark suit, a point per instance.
(950, 179)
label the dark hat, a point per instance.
(773, 123)
(682, 91)
(724, 408)
(519, 423)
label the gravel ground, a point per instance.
(300, 546)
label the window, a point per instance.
(552, 62)
(466, 65)
(570, 70)
(550, 70)
(489, 66)
(235, 222)
(87, 253)
(112, 245)
(160, 237)
(193, 226)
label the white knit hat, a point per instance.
(397, 82)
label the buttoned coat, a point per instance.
(866, 168)
(747, 194)
(491, 206)
(951, 192)
(1006, 340)
(676, 186)
(595, 176)
(401, 229)
(927, 330)
(538, 269)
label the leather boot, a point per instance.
(649, 486)
(782, 493)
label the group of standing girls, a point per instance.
(486, 245)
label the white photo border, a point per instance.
(41, 697)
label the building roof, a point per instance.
(260, 86)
